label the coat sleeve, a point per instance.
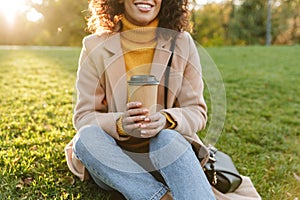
(91, 106)
(189, 109)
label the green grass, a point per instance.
(262, 125)
(261, 130)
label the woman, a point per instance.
(121, 146)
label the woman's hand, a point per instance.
(136, 123)
(133, 118)
(152, 125)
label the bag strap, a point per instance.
(167, 72)
(212, 160)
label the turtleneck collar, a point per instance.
(139, 34)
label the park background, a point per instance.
(254, 43)
(229, 22)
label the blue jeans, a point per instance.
(171, 155)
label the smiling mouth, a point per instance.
(144, 7)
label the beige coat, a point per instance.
(102, 85)
(102, 89)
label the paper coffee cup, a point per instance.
(143, 88)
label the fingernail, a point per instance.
(143, 132)
(147, 119)
(142, 126)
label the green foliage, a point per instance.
(63, 24)
(249, 22)
(210, 24)
(215, 24)
(64, 21)
(286, 22)
(36, 95)
(228, 23)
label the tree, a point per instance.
(286, 20)
(63, 22)
(269, 24)
(249, 23)
(210, 24)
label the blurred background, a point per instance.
(215, 22)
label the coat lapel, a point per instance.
(116, 73)
(161, 58)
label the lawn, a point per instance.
(261, 130)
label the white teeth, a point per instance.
(144, 6)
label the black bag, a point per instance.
(221, 172)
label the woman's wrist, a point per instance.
(120, 129)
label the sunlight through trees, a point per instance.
(215, 22)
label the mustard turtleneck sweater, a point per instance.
(138, 44)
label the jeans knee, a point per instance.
(88, 129)
(167, 147)
(166, 137)
(85, 135)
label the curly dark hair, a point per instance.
(105, 15)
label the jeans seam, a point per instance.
(94, 171)
(160, 193)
